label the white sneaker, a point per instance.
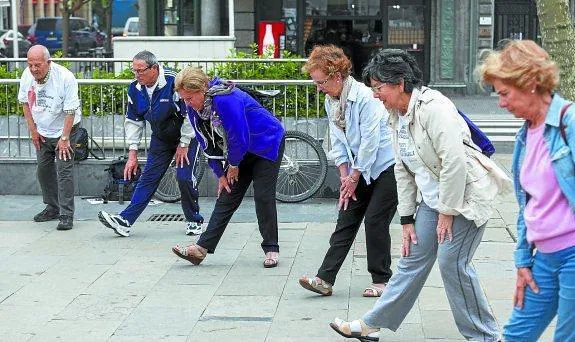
(193, 228)
(115, 222)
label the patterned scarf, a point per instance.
(337, 106)
(209, 114)
(223, 88)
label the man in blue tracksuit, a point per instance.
(152, 98)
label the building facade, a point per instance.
(30, 10)
(445, 36)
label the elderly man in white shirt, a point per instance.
(49, 97)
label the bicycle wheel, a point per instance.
(303, 168)
(168, 191)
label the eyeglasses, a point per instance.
(141, 71)
(320, 83)
(377, 89)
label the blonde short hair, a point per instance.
(191, 78)
(329, 59)
(519, 63)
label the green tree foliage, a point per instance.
(558, 37)
(68, 7)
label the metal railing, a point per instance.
(87, 66)
(104, 102)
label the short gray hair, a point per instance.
(147, 57)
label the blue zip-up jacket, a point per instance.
(249, 128)
(163, 111)
(563, 164)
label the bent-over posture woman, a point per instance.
(435, 156)
(244, 143)
(525, 79)
(361, 148)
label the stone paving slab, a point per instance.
(89, 284)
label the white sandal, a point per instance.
(355, 329)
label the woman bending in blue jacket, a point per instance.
(244, 142)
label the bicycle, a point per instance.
(168, 190)
(302, 171)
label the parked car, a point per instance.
(48, 32)
(30, 34)
(23, 29)
(132, 27)
(7, 43)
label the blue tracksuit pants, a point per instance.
(160, 155)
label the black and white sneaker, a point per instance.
(115, 222)
(193, 228)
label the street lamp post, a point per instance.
(14, 11)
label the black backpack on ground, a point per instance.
(116, 183)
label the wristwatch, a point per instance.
(63, 138)
(183, 144)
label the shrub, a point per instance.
(111, 99)
(296, 97)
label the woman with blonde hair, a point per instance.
(526, 79)
(361, 148)
(244, 143)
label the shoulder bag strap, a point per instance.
(98, 148)
(561, 125)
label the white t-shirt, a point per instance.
(427, 185)
(151, 89)
(48, 101)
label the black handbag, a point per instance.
(80, 140)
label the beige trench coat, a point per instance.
(468, 180)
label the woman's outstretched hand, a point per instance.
(444, 224)
(223, 184)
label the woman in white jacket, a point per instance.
(434, 156)
(361, 149)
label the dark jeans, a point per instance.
(160, 156)
(376, 202)
(264, 174)
(56, 177)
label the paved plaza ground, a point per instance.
(88, 284)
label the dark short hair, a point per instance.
(391, 66)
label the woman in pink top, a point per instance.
(525, 79)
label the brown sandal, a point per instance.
(271, 262)
(192, 253)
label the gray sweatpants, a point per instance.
(56, 178)
(468, 303)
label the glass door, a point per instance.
(405, 28)
(361, 27)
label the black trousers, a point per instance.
(377, 203)
(264, 174)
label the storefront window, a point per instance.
(406, 25)
(171, 18)
(183, 17)
(290, 19)
(358, 38)
(343, 7)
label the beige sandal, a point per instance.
(271, 259)
(355, 329)
(373, 290)
(312, 284)
(193, 253)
